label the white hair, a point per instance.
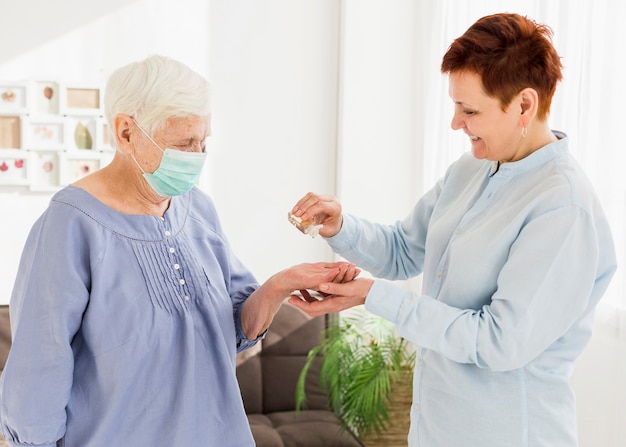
(154, 90)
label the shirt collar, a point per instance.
(538, 158)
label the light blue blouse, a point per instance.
(125, 329)
(514, 261)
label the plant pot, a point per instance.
(399, 415)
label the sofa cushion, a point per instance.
(311, 428)
(249, 376)
(268, 377)
(280, 376)
(264, 433)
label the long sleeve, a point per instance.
(513, 262)
(541, 294)
(125, 329)
(47, 304)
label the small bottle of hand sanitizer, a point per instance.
(307, 226)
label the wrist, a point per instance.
(274, 287)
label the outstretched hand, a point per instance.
(336, 296)
(311, 276)
(259, 309)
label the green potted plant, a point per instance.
(364, 362)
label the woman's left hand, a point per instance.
(336, 297)
(312, 275)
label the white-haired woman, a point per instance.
(129, 305)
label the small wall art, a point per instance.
(102, 135)
(51, 133)
(44, 132)
(14, 97)
(81, 100)
(45, 167)
(15, 167)
(81, 132)
(10, 132)
(74, 166)
(45, 97)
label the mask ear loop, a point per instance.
(138, 165)
(149, 138)
(146, 134)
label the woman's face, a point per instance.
(495, 134)
(184, 134)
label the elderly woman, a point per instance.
(514, 250)
(129, 305)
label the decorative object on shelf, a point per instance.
(81, 99)
(43, 132)
(8, 96)
(46, 97)
(10, 132)
(14, 97)
(45, 171)
(367, 370)
(14, 167)
(82, 137)
(58, 130)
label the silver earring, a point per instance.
(524, 132)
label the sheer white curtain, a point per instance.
(394, 119)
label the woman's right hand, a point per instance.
(322, 209)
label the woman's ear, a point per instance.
(123, 129)
(529, 104)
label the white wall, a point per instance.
(274, 70)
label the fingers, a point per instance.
(336, 297)
(322, 209)
(311, 204)
(322, 307)
(346, 272)
(311, 275)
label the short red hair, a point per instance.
(510, 52)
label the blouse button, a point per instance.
(457, 231)
(187, 298)
(176, 266)
(439, 274)
(181, 282)
(168, 234)
(171, 250)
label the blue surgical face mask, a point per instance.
(177, 173)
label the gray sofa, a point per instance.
(268, 374)
(267, 378)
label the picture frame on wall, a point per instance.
(14, 97)
(45, 97)
(75, 165)
(44, 132)
(45, 171)
(51, 133)
(81, 99)
(10, 132)
(81, 132)
(103, 142)
(15, 167)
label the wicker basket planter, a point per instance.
(396, 433)
(367, 371)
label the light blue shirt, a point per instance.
(514, 261)
(125, 329)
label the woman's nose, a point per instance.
(456, 122)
